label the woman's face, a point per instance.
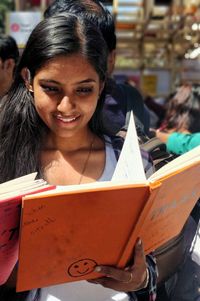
(66, 90)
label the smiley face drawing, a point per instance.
(81, 267)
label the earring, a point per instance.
(30, 88)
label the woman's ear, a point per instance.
(9, 64)
(26, 75)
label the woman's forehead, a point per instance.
(74, 68)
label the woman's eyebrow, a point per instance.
(51, 81)
(88, 80)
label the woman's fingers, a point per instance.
(128, 279)
(114, 273)
(139, 256)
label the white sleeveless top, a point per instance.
(110, 162)
(83, 290)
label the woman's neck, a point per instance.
(73, 161)
(69, 144)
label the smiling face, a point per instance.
(66, 90)
(81, 267)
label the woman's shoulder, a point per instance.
(116, 142)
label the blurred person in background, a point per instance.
(156, 109)
(181, 125)
(183, 111)
(9, 55)
(179, 143)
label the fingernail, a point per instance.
(139, 242)
(97, 269)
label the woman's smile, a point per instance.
(69, 119)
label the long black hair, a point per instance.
(92, 10)
(21, 129)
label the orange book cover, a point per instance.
(166, 210)
(66, 234)
(11, 194)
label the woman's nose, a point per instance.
(65, 104)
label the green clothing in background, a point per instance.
(180, 143)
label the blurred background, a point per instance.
(158, 41)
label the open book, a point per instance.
(66, 232)
(11, 194)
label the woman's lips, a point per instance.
(67, 119)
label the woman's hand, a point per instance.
(163, 136)
(132, 278)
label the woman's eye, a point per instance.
(84, 90)
(49, 88)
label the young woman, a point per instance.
(50, 123)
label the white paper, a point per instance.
(130, 166)
(21, 181)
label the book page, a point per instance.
(130, 166)
(18, 190)
(94, 186)
(21, 181)
(187, 159)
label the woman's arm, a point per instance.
(148, 293)
(180, 143)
